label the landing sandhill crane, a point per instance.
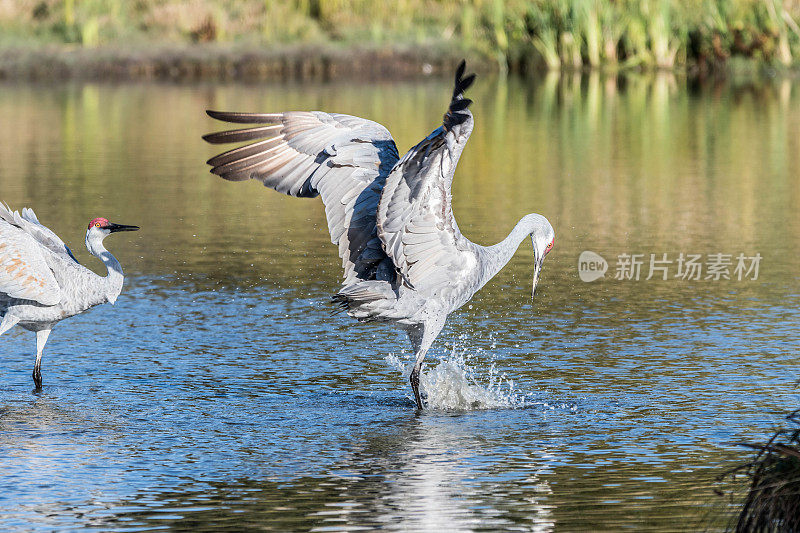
(41, 282)
(405, 261)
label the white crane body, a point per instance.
(41, 283)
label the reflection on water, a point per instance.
(410, 473)
(220, 392)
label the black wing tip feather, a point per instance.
(232, 165)
(244, 134)
(212, 138)
(455, 113)
(462, 83)
(462, 67)
(238, 117)
(460, 105)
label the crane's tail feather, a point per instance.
(365, 300)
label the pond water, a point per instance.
(219, 392)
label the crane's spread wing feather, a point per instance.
(28, 221)
(23, 268)
(344, 159)
(415, 218)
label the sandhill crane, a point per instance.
(41, 282)
(405, 261)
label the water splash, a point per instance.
(452, 384)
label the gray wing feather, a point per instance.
(342, 158)
(24, 272)
(29, 222)
(415, 217)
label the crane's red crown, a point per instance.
(99, 222)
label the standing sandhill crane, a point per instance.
(41, 282)
(405, 261)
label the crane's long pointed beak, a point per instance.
(537, 266)
(113, 228)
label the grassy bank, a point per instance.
(772, 480)
(231, 62)
(216, 37)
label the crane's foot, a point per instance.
(415, 386)
(37, 378)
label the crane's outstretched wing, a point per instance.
(415, 218)
(28, 221)
(23, 269)
(344, 159)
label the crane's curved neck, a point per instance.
(497, 256)
(110, 286)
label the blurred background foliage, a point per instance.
(520, 34)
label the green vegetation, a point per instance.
(520, 34)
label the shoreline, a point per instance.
(203, 62)
(217, 63)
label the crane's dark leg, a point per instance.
(37, 375)
(421, 337)
(415, 378)
(41, 340)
